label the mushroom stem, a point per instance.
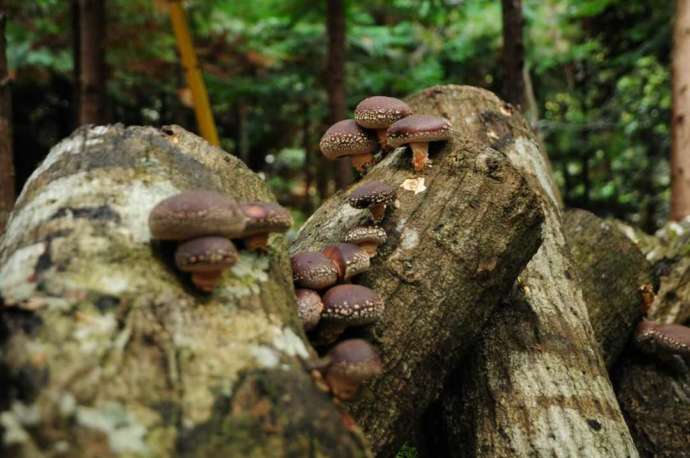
(328, 332)
(383, 139)
(207, 281)
(362, 161)
(420, 155)
(378, 211)
(256, 242)
(370, 248)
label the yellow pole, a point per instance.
(195, 80)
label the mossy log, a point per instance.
(108, 351)
(535, 384)
(612, 271)
(458, 236)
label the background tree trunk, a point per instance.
(513, 53)
(536, 369)
(107, 350)
(7, 183)
(92, 69)
(458, 235)
(335, 79)
(680, 125)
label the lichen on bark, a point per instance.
(108, 351)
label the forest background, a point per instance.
(598, 80)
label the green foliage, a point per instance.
(599, 69)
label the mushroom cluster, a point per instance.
(329, 304)
(203, 224)
(393, 125)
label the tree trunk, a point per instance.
(92, 76)
(536, 369)
(458, 236)
(107, 350)
(7, 183)
(513, 54)
(680, 124)
(612, 269)
(335, 79)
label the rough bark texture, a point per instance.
(535, 384)
(513, 53)
(6, 155)
(92, 75)
(680, 125)
(108, 351)
(458, 236)
(611, 269)
(655, 399)
(335, 79)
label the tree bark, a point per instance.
(107, 350)
(92, 76)
(513, 53)
(680, 124)
(536, 369)
(656, 402)
(611, 269)
(458, 235)
(335, 79)
(7, 183)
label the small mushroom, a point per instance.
(418, 131)
(349, 259)
(193, 214)
(206, 258)
(369, 238)
(309, 307)
(352, 363)
(262, 219)
(346, 306)
(379, 113)
(346, 138)
(652, 337)
(313, 270)
(374, 195)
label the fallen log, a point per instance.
(108, 351)
(457, 238)
(535, 384)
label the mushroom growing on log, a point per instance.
(456, 244)
(378, 113)
(418, 131)
(351, 363)
(263, 218)
(374, 195)
(206, 258)
(105, 353)
(346, 138)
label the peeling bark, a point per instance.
(535, 384)
(458, 235)
(108, 351)
(611, 269)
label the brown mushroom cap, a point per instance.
(418, 129)
(353, 362)
(263, 217)
(205, 254)
(313, 270)
(309, 307)
(349, 259)
(352, 305)
(379, 112)
(366, 234)
(371, 193)
(652, 337)
(346, 138)
(193, 214)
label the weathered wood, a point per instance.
(535, 384)
(458, 235)
(107, 350)
(656, 402)
(611, 269)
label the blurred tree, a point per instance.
(335, 79)
(513, 53)
(680, 128)
(7, 193)
(90, 48)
